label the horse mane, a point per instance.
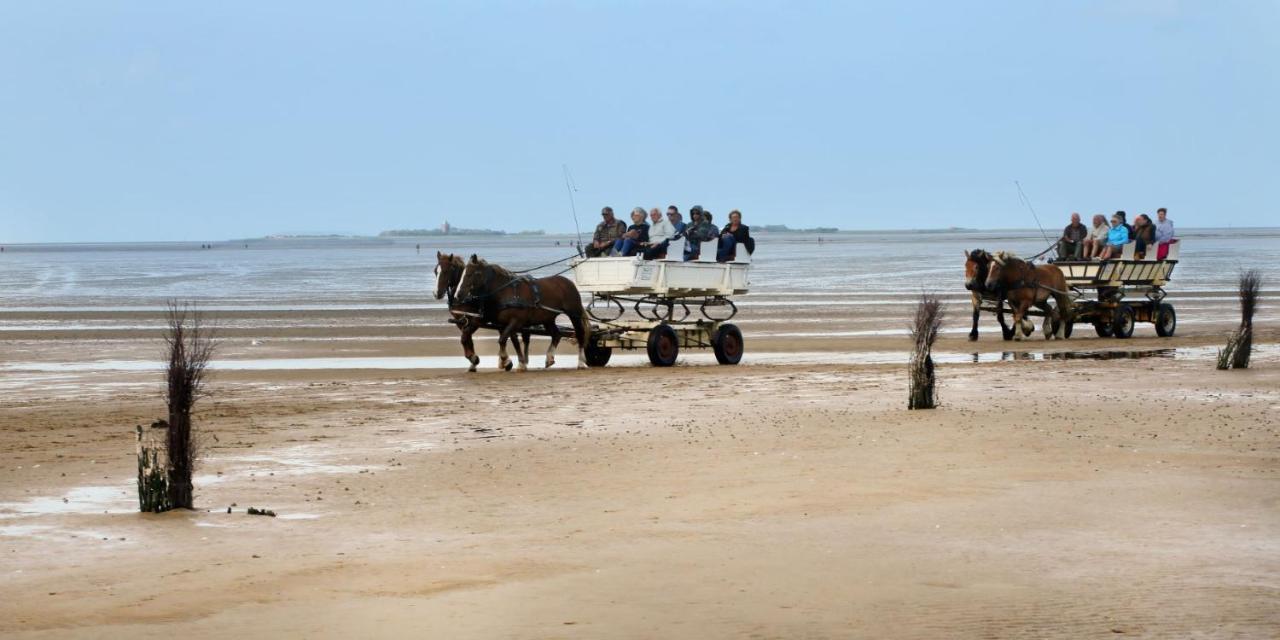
(498, 270)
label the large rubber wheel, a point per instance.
(663, 346)
(1103, 329)
(1122, 321)
(727, 343)
(596, 355)
(1166, 320)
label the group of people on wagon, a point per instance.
(651, 239)
(1106, 242)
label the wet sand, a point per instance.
(1064, 498)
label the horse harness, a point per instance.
(515, 301)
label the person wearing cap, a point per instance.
(1071, 244)
(1117, 237)
(608, 231)
(635, 235)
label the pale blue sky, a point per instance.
(155, 121)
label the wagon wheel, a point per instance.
(1166, 320)
(595, 354)
(1102, 328)
(663, 345)
(1122, 321)
(727, 344)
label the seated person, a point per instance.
(607, 232)
(1071, 244)
(1117, 238)
(661, 231)
(1164, 233)
(1097, 240)
(1144, 235)
(732, 236)
(634, 236)
(698, 232)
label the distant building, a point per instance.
(444, 228)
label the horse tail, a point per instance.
(576, 312)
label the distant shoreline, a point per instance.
(382, 240)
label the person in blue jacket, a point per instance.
(1117, 237)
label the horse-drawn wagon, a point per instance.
(663, 295)
(1104, 293)
(677, 305)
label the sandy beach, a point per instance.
(1065, 498)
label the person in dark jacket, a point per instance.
(698, 232)
(607, 232)
(635, 235)
(1144, 235)
(734, 235)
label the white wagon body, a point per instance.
(668, 278)
(661, 292)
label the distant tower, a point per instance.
(445, 227)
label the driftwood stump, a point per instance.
(924, 331)
(1240, 345)
(153, 468)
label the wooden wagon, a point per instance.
(1112, 295)
(664, 306)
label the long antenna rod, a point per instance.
(572, 187)
(1027, 201)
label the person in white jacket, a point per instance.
(661, 231)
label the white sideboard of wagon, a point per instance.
(666, 278)
(661, 292)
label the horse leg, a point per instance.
(522, 352)
(977, 303)
(504, 361)
(1050, 316)
(1019, 313)
(554, 332)
(469, 346)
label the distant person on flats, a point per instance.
(1097, 240)
(607, 232)
(1144, 235)
(1117, 238)
(660, 233)
(1164, 233)
(734, 235)
(1071, 244)
(635, 235)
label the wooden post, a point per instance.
(924, 331)
(1240, 344)
(153, 468)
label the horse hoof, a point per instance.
(522, 369)
(550, 362)
(506, 366)
(973, 337)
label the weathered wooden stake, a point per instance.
(1240, 345)
(924, 331)
(167, 452)
(153, 468)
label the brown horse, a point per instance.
(976, 265)
(469, 318)
(518, 302)
(1023, 285)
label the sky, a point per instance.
(135, 121)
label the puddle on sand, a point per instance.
(121, 498)
(624, 359)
